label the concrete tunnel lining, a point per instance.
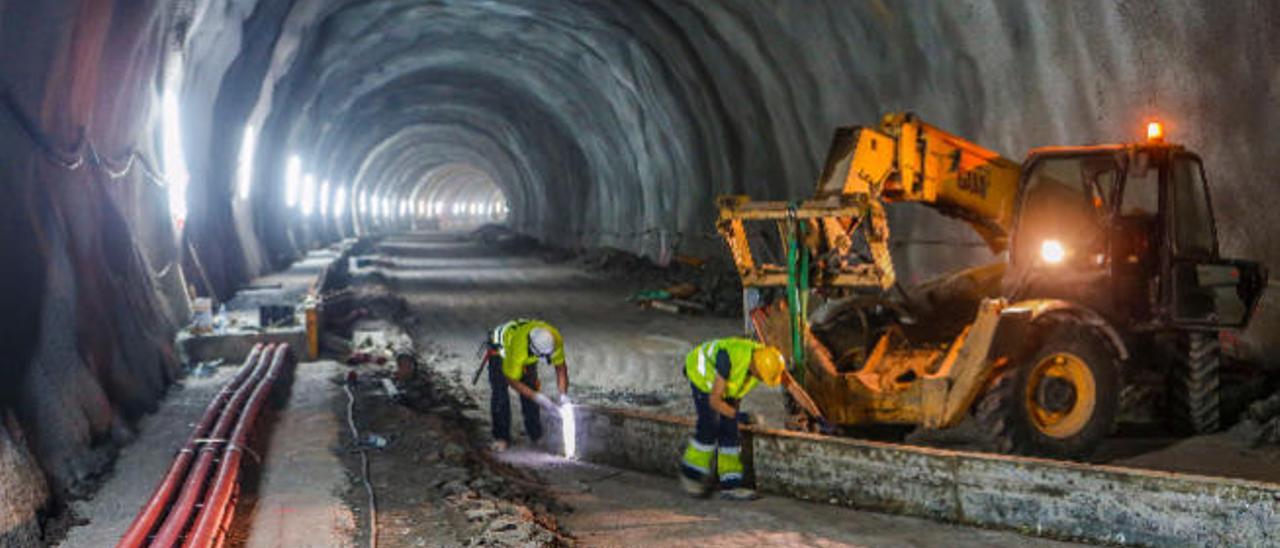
(642, 112)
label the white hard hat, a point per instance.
(541, 342)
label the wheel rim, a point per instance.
(1061, 395)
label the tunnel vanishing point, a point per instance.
(156, 151)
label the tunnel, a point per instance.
(160, 156)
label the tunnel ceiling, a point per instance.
(616, 123)
(599, 122)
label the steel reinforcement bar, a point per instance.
(1050, 498)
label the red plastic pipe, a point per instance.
(219, 505)
(146, 519)
(181, 510)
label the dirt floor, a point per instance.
(102, 519)
(436, 485)
(618, 354)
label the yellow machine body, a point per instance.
(903, 160)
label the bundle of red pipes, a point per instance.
(194, 503)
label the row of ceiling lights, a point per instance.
(300, 187)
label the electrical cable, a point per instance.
(364, 466)
(72, 158)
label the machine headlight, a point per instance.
(1052, 252)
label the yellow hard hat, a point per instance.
(769, 364)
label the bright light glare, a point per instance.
(339, 201)
(386, 207)
(292, 180)
(1052, 251)
(175, 162)
(569, 430)
(1155, 131)
(324, 198)
(439, 208)
(308, 194)
(244, 171)
(363, 202)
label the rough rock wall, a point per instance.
(616, 123)
(88, 303)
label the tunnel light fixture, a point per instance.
(292, 180)
(339, 201)
(438, 207)
(362, 205)
(404, 208)
(175, 162)
(386, 207)
(308, 194)
(324, 198)
(244, 169)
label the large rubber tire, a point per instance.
(1194, 398)
(1011, 414)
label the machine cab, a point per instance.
(1129, 231)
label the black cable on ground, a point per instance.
(364, 465)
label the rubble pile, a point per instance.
(423, 433)
(1261, 422)
(690, 285)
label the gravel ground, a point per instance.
(617, 355)
(102, 519)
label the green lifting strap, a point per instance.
(797, 289)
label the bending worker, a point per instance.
(515, 348)
(721, 372)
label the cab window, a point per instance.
(1141, 192)
(1192, 221)
(1066, 201)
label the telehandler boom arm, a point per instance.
(904, 160)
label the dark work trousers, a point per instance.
(712, 427)
(500, 403)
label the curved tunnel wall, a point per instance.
(601, 123)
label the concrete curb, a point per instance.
(1032, 496)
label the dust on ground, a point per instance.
(103, 518)
(434, 484)
(618, 353)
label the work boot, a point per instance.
(692, 487)
(739, 493)
(498, 446)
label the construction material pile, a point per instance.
(423, 441)
(685, 285)
(1261, 421)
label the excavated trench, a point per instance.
(156, 151)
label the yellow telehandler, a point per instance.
(1110, 280)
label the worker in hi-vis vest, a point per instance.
(721, 372)
(514, 350)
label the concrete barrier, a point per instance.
(1033, 496)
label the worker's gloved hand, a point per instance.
(564, 399)
(544, 401)
(746, 419)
